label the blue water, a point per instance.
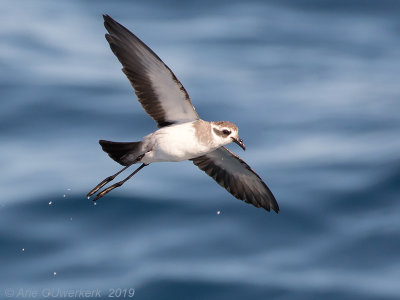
(314, 88)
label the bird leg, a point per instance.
(110, 178)
(105, 181)
(115, 185)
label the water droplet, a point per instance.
(54, 273)
(218, 212)
(88, 197)
(23, 249)
(51, 202)
(94, 203)
(64, 195)
(68, 189)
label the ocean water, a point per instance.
(314, 88)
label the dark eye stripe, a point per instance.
(224, 132)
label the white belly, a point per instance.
(174, 143)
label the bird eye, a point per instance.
(226, 132)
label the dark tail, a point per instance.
(122, 153)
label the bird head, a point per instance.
(226, 132)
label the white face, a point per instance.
(224, 135)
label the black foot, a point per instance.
(100, 185)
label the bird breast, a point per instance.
(177, 143)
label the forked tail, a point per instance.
(123, 153)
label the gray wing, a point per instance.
(232, 173)
(159, 91)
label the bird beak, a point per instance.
(240, 143)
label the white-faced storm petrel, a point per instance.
(182, 135)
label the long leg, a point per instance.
(110, 178)
(105, 181)
(115, 185)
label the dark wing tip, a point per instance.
(107, 18)
(269, 201)
(266, 201)
(108, 21)
(274, 204)
(113, 27)
(259, 197)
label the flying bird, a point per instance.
(181, 134)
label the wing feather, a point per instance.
(161, 94)
(232, 173)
